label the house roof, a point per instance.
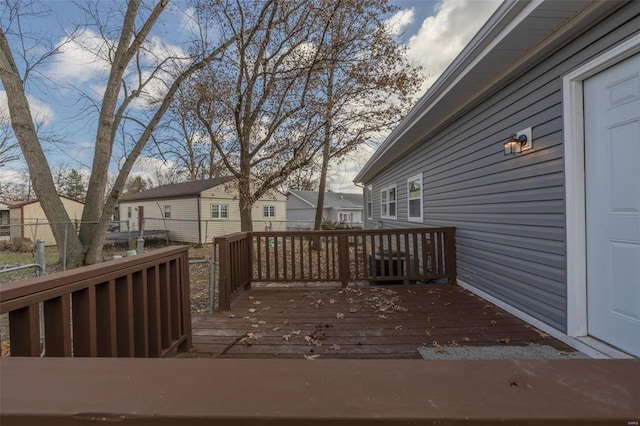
(340, 200)
(516, 36)
(177, 190)
(24, 203)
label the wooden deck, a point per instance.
(357, 322)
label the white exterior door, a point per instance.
(612, 170)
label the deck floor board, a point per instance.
(362, 322)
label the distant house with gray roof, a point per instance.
(338, 207)
(198, 211)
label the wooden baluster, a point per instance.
(267, 245)
(24, 331)
(154, 311)
(83, 304)
(176, 306)
(106, 319)
(343, 259)
(140, 314)
(57, 326)
(427, 248)
(293, 258)
(284, 258)
(165, 306)
(259, 249)
(124, 315)
(365, 257)
(185, 295)
(417, 256)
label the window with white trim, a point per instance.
(167, 212)
(388, 202)
(219, 211)
(369, 202)
(269, 211)
(346, 217)
(129, 212)
(414, 198)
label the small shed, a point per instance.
(28, 221)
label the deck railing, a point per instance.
(383, 256)
(131, 307)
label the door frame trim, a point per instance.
(575, 189)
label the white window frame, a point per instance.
(167, 209)
(385, 202)
(344, 216)
(409, 199)
(269, 210)
(369, 202)
(220, 217)
(129, 212)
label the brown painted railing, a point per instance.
(131, 307)
(234, 253)
(383, 256)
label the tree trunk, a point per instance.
(41, 177)
(244, 193)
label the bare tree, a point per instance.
(9, 150)
(258, 95)
(367, 83)
(133, 72)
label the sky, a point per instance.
(434, 31)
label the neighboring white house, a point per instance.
(28, 220)
(198, 211)
(338, 207)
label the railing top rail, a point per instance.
(233, 237)
(354, 231)
(15, 290)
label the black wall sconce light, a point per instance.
(518, 142)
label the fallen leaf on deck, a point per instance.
(540, 333)
(257, 302)
(427, 333)
(439, 348)
(245, 341)
(335, 347)
(332, 301)
(312, 341)
(254, 335)
(252, 310)
(398, 327)
(275, 329)
(247, 317)
(262, 322)
(493, 322)
(505, 340)
(255, 325)
(487, 307)
(447, 304)
(466, 339)
(383, 316)
(453, 343)
(296, 332)
(232, 316)
(339, 315)
(286, 337)
(312, 357)
(286, 321)
(353, 310)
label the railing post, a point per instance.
(224, 274)
(249, 257)
(343, 259)
(450, 255)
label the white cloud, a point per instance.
(340, 176)
(443, 36)
(83, 58)
(40, 111)
(400, 21)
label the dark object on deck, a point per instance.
(391, 267)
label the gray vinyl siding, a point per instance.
(509, 211)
